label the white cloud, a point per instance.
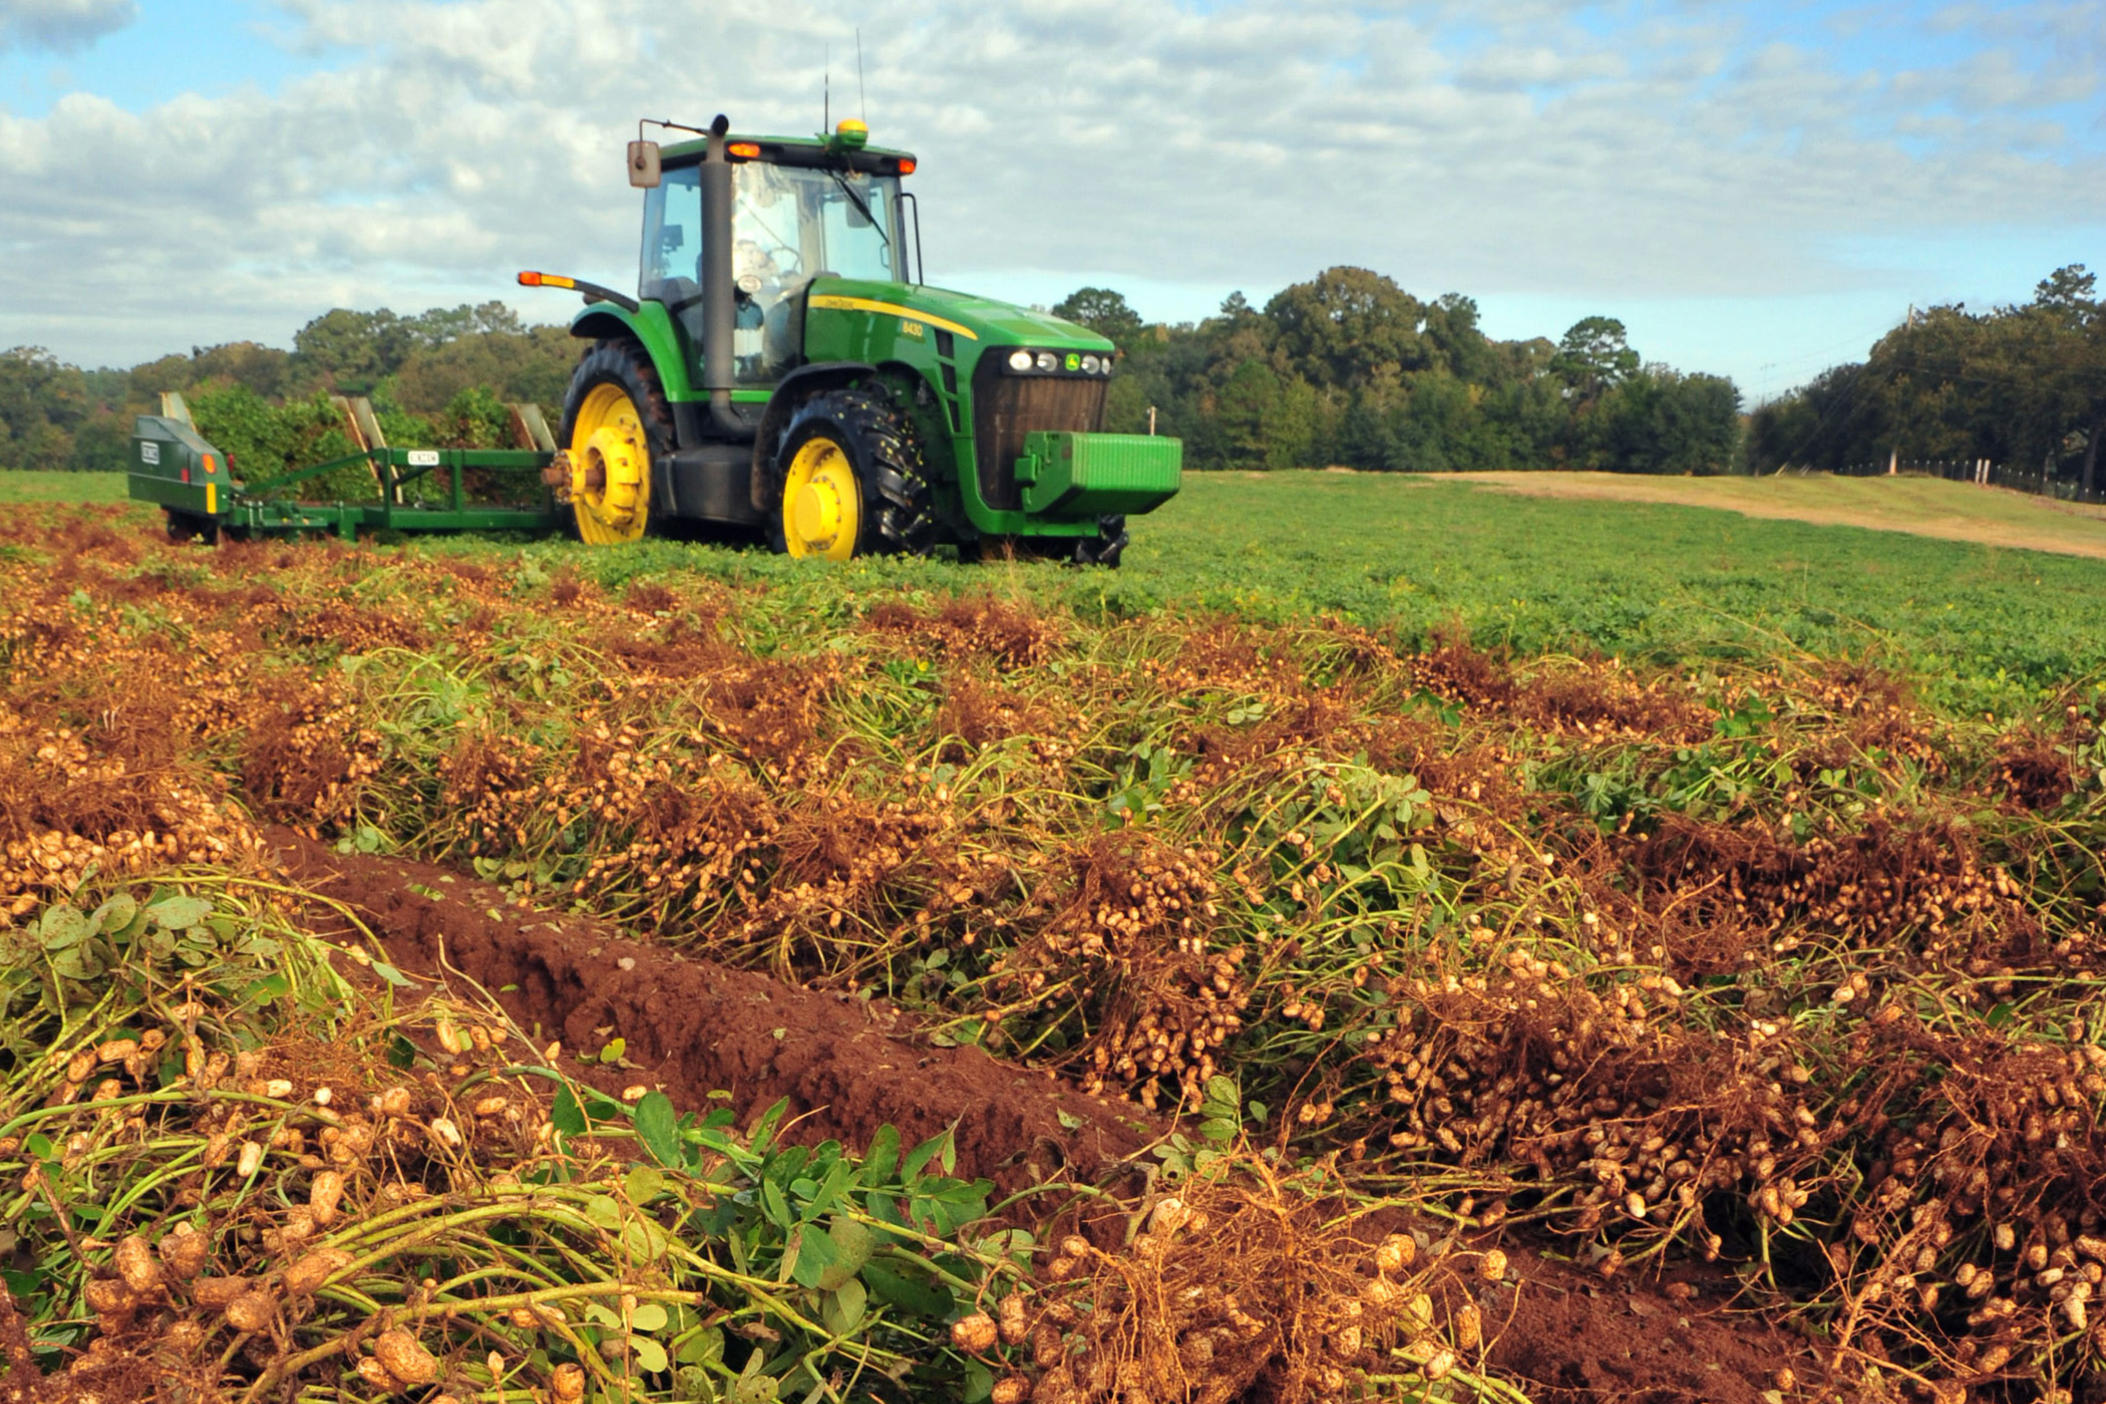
(61, 24)
(451, 144)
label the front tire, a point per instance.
(616, 424)
(853, 480)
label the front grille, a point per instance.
(1007, 407)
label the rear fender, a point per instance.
(651, 327)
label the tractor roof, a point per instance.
(798, 150)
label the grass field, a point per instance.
(1985, 628)
(1687, 989)
(1559, 569)
(22, 485)
(1922, 506)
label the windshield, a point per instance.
(794, 223)
(789, 225)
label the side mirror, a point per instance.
(644, 169)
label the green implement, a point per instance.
(174, 467)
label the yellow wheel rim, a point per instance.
(822, 510)
(610, 468)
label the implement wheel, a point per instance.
(190, 526)
(615, 425)
(853, 481)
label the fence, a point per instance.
(1987, 474)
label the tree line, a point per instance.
(1349, 369)
(2023, 385)
(1345, 369)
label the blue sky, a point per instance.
(1755, 189)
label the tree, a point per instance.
(1460, 345)
(1104, 312)
(2070, 294)
(352, 351)
(1661, 421)
(41, 401)
(2069, 299)
(439, 325)
(1246, 405)
(530, 365)
(1593, 355)
(1347, 327)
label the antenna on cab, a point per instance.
(862, 103)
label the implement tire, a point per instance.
(616, 425)
(851, 479)
(191, 526)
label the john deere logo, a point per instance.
(1074, 360)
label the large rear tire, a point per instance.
(616, 424)
(852, 478)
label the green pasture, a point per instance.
(26, 485)
(1982, 627)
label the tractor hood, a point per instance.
(982, 319)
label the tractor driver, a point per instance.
(765, 269)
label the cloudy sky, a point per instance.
(1757, 189)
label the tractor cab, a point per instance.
(800, 210)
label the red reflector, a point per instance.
(906, 165)
(186, 472)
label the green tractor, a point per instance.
(784, 367)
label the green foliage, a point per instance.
(1594, 355)
(272, 404)
(531, 365)
(723, 1265)
(1350, 369)
(475, 418)
(2023, 386)
(41, 402)
(267, 370)
(1103, 311)
(264, 441)
(355, 352)
(1659, 421)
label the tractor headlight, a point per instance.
(1020, 361)
(1048, 362)
(1089, 365)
